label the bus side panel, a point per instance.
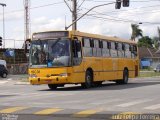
(109, 74)
(78, 74)
(129, 64)
(96, 65)
(77, 77)
(121, 65)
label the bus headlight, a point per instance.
(33, 75)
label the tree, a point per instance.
(136, 31)
(145, 41)
(155, 41)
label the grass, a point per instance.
(149, 74)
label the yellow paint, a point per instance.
(12, 109)
(85, 113)
(48, 111)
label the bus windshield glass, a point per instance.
(50, 53)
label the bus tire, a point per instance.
(52, 86)
(125, 78)
(88, 80)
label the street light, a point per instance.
(3, 5)
(74, 22)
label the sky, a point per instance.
(46, 15)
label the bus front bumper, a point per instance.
(48, 80)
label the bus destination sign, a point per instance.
(54, 34)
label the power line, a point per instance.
(21, 10)
(81, 4)
(134, 9)
(128, 14)
(130, 1)
(123, 20)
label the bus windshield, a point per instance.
(50, 53)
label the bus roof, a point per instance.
(96, 36)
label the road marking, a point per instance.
(48, 111)
(3, 82)
(153, 107)
(12, 109)
(105, 101)
(85, 113)
(132, 103)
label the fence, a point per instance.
(18, 68)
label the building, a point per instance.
(149, 57)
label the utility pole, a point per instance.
(74, 11)
(75, 21)
(74, 14)
(26, 19)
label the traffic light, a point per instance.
(125, 3)
(118, 4)
(0, 41)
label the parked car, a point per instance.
(3, 71)
(157, 68)
(3, 62)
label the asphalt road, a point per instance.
(27, 102)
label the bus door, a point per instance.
(78, 70)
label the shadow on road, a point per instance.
(107, 86)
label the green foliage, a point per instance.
(155, 42)
(136, 31)
(145, 41)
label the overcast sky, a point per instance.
(50, 15)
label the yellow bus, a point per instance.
(72, 57)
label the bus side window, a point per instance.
(109, 47)
(87, 50)
(127, 51)
(99, 50)
(113, 50)
(105, 50)
(131, 49)
(135, 51)
(120, 50)
(96, 45)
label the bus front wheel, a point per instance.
(52, 86)
(88, 80)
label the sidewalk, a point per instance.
(21, 79)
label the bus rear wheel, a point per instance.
(52, 86)
(125, 78)
(88, 80)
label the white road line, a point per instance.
(105, 102)
(132, 103)
(3, 82)
(153, 107)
